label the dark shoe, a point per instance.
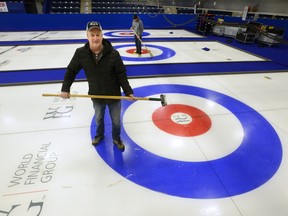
(97, 139)
(119, 144)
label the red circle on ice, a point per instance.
(181, 120)
(132, 51)
(126, 33)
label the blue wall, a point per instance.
(35, 22)
(25, 22)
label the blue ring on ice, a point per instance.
(250, 166)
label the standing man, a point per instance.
(137, 27)
(106, 75)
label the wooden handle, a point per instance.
(137, 36)
(97, 96)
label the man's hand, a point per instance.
(65, 95)
(132, 97)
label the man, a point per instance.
(106, 75)
(137, 27)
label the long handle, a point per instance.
(150, 53)
(104, 97)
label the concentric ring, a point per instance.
(165, 53)
(123, 33)
(138, 124)
(251, 165)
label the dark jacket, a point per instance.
(106, 77)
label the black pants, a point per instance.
(138, 44)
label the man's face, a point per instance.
(95, 37)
